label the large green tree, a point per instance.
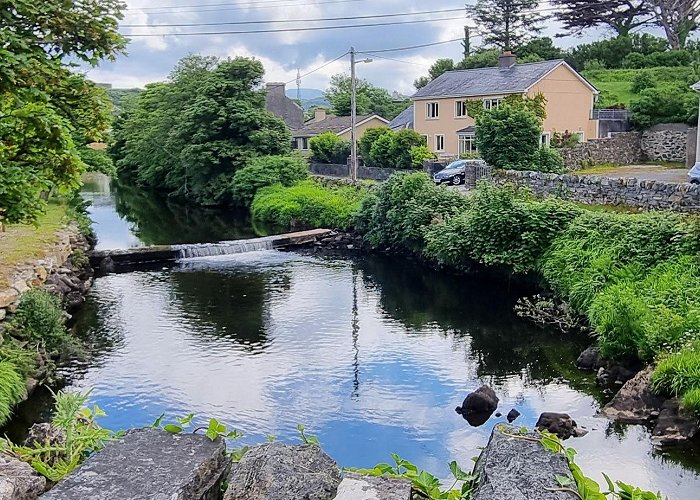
(41, 106)
(507, 24)
(370, 98)
(622, 16)
(190, 135)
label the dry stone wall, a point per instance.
(622, 149)
(666, 142)
(600, 190)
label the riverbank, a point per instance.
(44, 276)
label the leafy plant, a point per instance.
(419, 154)
(12, 389)
(509, 137)
(306, 438)
(40, 320)
(213, 430)
(329, 148)
(267, 171)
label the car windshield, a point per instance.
(455, 165)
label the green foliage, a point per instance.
(40, 319)
(306, 438)
(548, 159)
(691, 400)
(329, 148)
(507, 25)
(679, 373)
(612, 53)
(267, 171)
(23, 360)
(369, 137)
(190, 135)
(371, 100)
(214, 429)
(12, 389)
(384, 148)
(97, 160)
(664, 105)
(425, 484)
(419, 154)
(509, 137)
(642, 80)
(503, 226)
(308, 204)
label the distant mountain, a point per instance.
(309, 97)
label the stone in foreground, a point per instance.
(513, 468)
(635, 403)
(277, 471)
(358, 487)
(149, 464)
(18, 481)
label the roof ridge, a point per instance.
(509, 67)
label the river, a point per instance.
(370, 354)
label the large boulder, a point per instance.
(635, 403)
(514, 468)
(277, 471)
(18, 481)
(478, 406)
(149, 463)
(590, 359)
(560, 424)
(359, 487)
(674, 425)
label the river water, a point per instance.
(371, 354)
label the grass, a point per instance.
(679, 375)
(23, 242)
(602, 168)
(12, 390)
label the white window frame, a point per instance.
(463, 140)
(581, 135)
(432, 106)
(491, 101)
(461, 105)
(303, 143)
(439, 138)
(545, 139)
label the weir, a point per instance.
(169, 253)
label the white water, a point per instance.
(224, 247)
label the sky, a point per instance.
(150, 59)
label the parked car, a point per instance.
(694, 174)
(454, 173)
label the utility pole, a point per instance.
(353, 117)
(298, 87)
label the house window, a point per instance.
(467, 143)
(461, 109)
(490, 104)
(301, 143)
(545, 139)
(431, 110)
(439, 142)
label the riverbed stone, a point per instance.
(18, 481)
(478, 406)
(590, 359)
(635, 403)
(149, 464)
(560, 424)
(277, 471)
(359, 487)
(518, 468)
(674, 425)
(8, 297)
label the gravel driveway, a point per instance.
(646, 172)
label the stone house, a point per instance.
(440, 112)
(339, 125)
(277, 103)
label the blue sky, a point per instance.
(150, 59)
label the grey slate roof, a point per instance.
(487, 81)
(331, 123)
(403, 120)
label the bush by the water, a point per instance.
(267, 171)
(97, 161)
(40, 320)
(308, 204)
(11, 390)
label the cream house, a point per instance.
(340, 125)
(440, 110)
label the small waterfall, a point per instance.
(224, 247)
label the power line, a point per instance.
(269, 21)
(294, 3)
(411, 47)
(399, 60)
(287, 30)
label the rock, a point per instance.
(3, 313)
(498, 414)
(149, 463)
(512, 415)
(634, 403)
(478, 406)
(674, 425)
(277, 471)
(8, 297)
(21, 286)
(358, 487)
(45, 434)
(560, 424)
(614, 374)
(18, 481)
(590, 359)
(107, 265)
(518, 469)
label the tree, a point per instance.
(622, 16)
(509, 137)
(438, 68)
(329, 148)
(664, 104)
(370, 99)
(678, 18)
(507, 24)
(369, 137)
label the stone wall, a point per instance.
(666, 142)
(623, 149)
(343, 170)
(598, 190)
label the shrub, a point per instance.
(419, 154)
(691, 400)
(364, 145)
(40, 319)
(266, 171)
(381, 154)
(401, 144)
(548, 160)
(329, 148)
(12, 390)
(641, 81)
(97, 161)
(667, 104)
(309, 204)
(678, 373)
(509, 137)
(503, 226)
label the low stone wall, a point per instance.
(667, 142)
(342, 170)
(599, 190)
(623, 149)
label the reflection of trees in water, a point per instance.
(229, 305)
(158, 220)
(501, 343)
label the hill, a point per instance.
(310, 98)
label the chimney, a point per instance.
(506, 60)
(276, 88)
(319, 114)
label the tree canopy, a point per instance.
(507, 24)
(370, 98)
(622, 16)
